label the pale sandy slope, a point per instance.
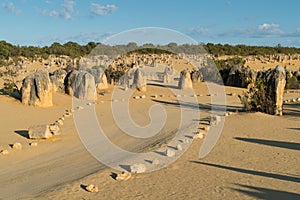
(257, 155)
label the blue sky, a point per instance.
(264, 22)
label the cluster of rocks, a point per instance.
(37, 88)
(273, 58)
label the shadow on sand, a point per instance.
(253, 172)
(266, 193)
(280, 144)
(23, 133)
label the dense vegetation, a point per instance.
(73, 49)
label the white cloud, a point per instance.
(53, 13)
(67, 9)
(10, 7)
(266, 26)
(98, 9)
(198, 31)
(261, 31)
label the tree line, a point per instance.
(74, 49)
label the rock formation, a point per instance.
(84, 86)
(266, 95)
(81, 85)
(57, 79)
(139, 80)
(168, 75)
(37, 89)
(100, 78)
(185, 81)
(196, 76)
(240, 77)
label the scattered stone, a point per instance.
(137, 97)
(179, 147)
(124, 176)
(92, 188)
(206, 128)
(17, 146)
(60, 122)
(170, 153)
(138, 168)
(154, 96)
(39, 132)
(68, 114)
(232, 94)
(33, 144)
(4, 152)
(54, 129)
(143, 96)
(198, 136)
(294, 100)
(89, 104)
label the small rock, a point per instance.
(138, 168)
(68, 114)
(89, 104)
(206, 128)
(154, 96)
(39, 132)
(62, 118)
(143, 96)
(198, 136)
(17, 146)
(4, 152)
(60, 122)
(124, 176)
(136, 97)
(179, 147)
(170, 153)
(155, 162)
(92, 188)
(294, 100)
(33, 144)
(298, 99)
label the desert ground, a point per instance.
(256, 157)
